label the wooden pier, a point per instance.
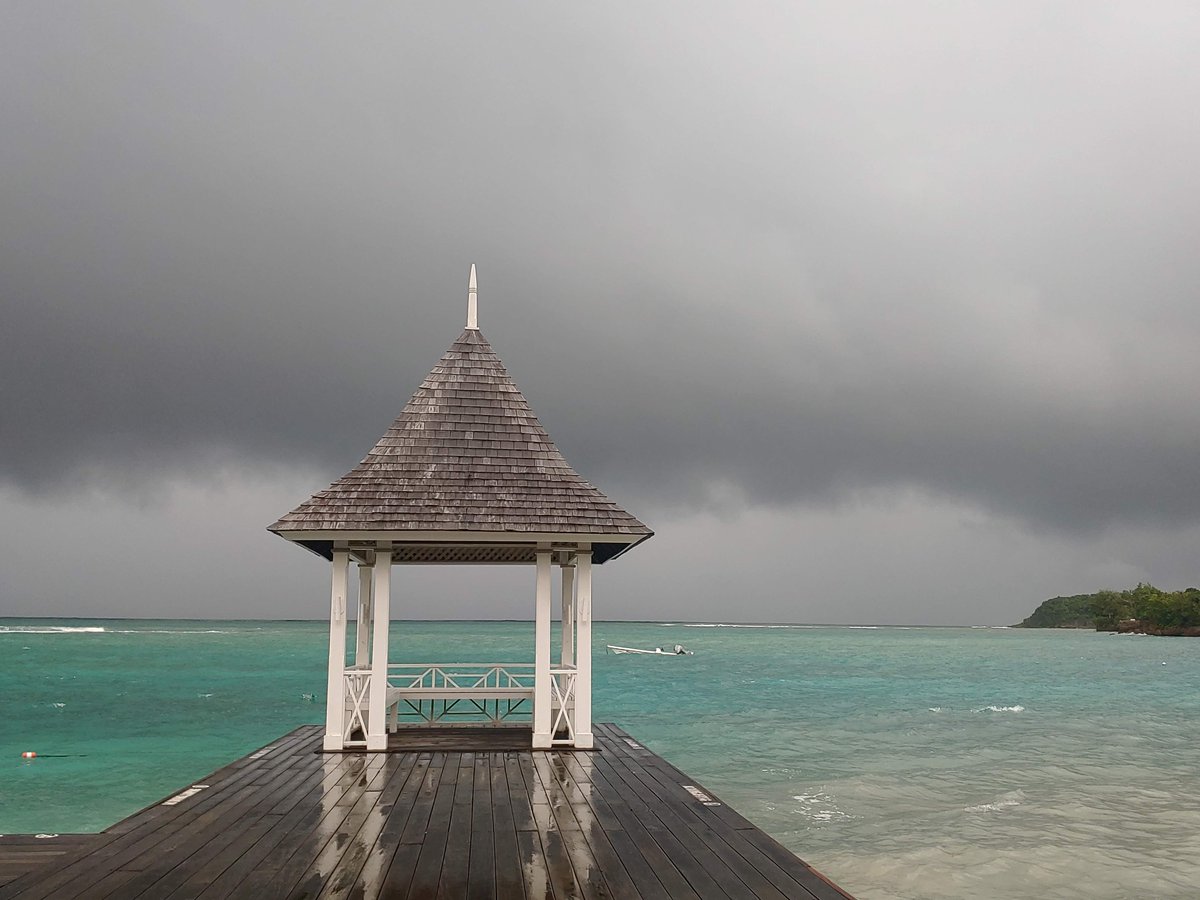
(291, 821)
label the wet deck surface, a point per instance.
(21, 853)
(290, 821)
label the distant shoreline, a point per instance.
(664, 622)
(1141, 610)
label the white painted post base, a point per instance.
(335, 698)
(542, 735)
(381, 612)
(583, 649)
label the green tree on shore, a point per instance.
(1144, 607)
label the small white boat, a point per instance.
(677, 650)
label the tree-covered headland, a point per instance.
(1143, 609)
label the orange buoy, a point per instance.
(28, 754)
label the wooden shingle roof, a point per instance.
(466, 455)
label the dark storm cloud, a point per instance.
(734, 255)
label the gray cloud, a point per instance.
(885, 558)
(736, 256)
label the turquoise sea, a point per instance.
(902, 762)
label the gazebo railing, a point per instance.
(357, 693)
(433, 692)
(562, 705)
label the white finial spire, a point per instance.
(472, 302)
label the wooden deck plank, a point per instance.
(320, 848)
(479, 821)
(626, 871)
(765, 855)
(298, 818)
(481, 875)
(399, 874)
(344, 851)
(518, 794)
(224, 842)
(396, 804)
(642, 873)
(674, 863)
(306, 826)
(708, 873)
(558, 866)
(679, 817)
(598, 869)
(550, 863)
(21, 854)
(126, 846)
(213, 850)
(346, 878)
(557, 796)
(534, 871)
(671, 873)
(510, 881)
(456, 860)
(753, 855)
(425, 877)
(418, 818)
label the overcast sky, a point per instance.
(874, 312)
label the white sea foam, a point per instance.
(59, 705)
(1015, 709)
(818, 806)
(765, 625)
(100, 629)
(935, 709)
(171, 631)
(730, 625)
(1004, 801)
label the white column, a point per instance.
(381, 612)
(583, 651)
(568, 614)
(335, 700)
(541, 659)
(362, 644)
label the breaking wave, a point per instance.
(1004, 801)
(100, 629)
(727, 625)
(819, 806)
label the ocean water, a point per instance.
(903, 763)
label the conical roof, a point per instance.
(466, 455)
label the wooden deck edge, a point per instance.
(24, 854)
(214, 775)
(682, 777)
(70, 842)
(710, 849)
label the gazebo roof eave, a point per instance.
(464, 548)
(495, 538)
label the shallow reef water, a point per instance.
(902, 762)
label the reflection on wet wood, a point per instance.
(457, 818)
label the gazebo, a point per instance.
(465, 475)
